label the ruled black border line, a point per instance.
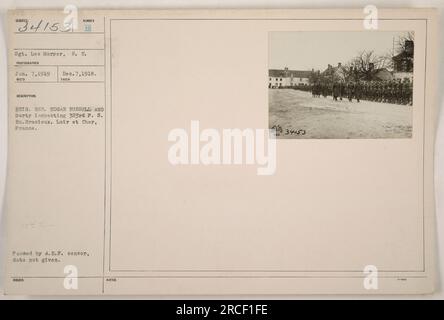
(258, 271)
(104, 183)
(58, 49)
(212, 277)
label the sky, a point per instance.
(301, 50)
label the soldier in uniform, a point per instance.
(341, 89)
(394, 91)
(382, 91)
(350, 91)
(386, 91)
(325, 89)
(399, 92)
(364, 93)
(392, 97)
(370, 91)
(317, 89)
(405, 92)
(336, 90)
(358, 91)
(410, 92)
(373, 91)
(378, 92)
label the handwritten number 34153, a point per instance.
(40, 26)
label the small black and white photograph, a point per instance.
(341, 85)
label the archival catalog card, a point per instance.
(221, 152)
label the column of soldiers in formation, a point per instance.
(394, 91)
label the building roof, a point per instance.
(382, 70)
(402, 56)
(277, 73)
(383, 74)
(337, 71)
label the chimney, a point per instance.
(339, 64)
(286, 72)
(409, 45)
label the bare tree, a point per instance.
(348, 71)
(401, 44)
(366, 63)
(388, 58)
(315, 76)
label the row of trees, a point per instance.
(367, 63)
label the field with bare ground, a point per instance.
(298, 115)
